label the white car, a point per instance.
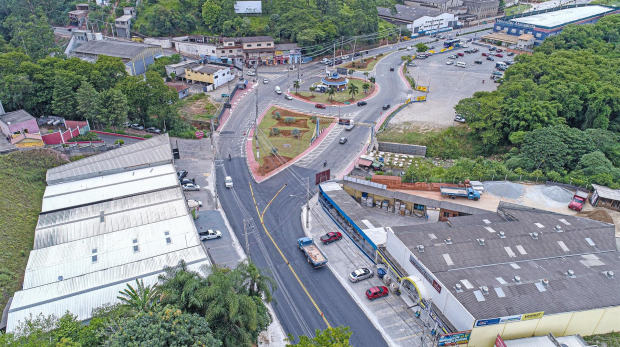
(459, 119)
(191, 186)
(449, 62)
(345, 57)
(210, 234)
(409, 48)
(265, 81)
(465, 46)
(288, 97)
(228, 182)
(360, 274)
(250, 73)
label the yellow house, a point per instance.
(211, 75)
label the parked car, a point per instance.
(459, 119)
(453, 56)
(465, 46)
(361, 274)
(502, 68)
(345, 56)
(210, 234)
(126, 124)
(362, 103)
(510, 54)
(343, 140)
(491, 48)
(338, 61)
(185, 181)
(250, 73)
(499, 50)
(391, 68)
(386, 106)
(497, 73)
(181, 174)
(191, 186)
(265, 81)
(225, 95)
(377, 292)
(412, 64)
(450, 62)
(499, 55)
(320, 106)
(288, 97)
(137, 127)
(484, 54)
(475, 50)
(478, 61)
(490, 58)
(153, 130)
(331, 236)
(460, 54)
(509, 62)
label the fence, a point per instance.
(386, 122)
(402, 148)
(364, 182)
(230, 97)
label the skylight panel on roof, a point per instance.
(564, 221)
(479, 295)
(500, 292)
(590, 242)
(541, 287)
(510, 252)
(467, 284)
(539, 225)
(563, 246)
(500, 280)
(490, 229)
(448, 260)
(521, 250)
(432, 236)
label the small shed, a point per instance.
(181, 89)
(18, 122)
(605, 197)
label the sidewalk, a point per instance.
(239, 95)
(390, 315)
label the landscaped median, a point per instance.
(283, 137)
(364, 64)
(341, 97)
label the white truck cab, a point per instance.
(228, 182)
(278, 90)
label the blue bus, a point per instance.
(450, 43)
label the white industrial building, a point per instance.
(106, 221)
(420, 20)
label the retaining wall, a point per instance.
(402, 148)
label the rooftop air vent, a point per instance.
(558, 229)
(517, 279)
(570, 273)
(60, 278)
(502, 235)
(421, 248)
(484, 290)
(458, 287)
(609, 274)
(545, 282)
(481, 242)
(534, 235)
(448, 240)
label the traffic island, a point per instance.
(283, 137)
(341, 97)
(364, 64)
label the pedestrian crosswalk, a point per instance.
(310, 157)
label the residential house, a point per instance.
(79, 16)
(258, 50)
(442, 5)
(212, 76)
(18, 122)
(178, 69)
(27, 140)
(130, 11)
(189, 45)
(181, 89)
(287, 53)
(136, 56)
(230, 51)
(526, 41)
(420, 20)
(123, 26)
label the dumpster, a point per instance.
(381, 272)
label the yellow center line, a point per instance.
(262, 222)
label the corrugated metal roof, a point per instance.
(84, 222)
(152, 152)
(80, 299)
(74, 259)
(607, 193)
(98, 189)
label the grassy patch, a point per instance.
(22, 178)
(517, 9)
(340, 96)
(366, 66)
(286, 144)
(198, 106)
(609, 340)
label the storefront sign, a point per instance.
(455, 338)
(510, 319)
(425, 273)
(421, 88)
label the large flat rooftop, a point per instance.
(562, 17)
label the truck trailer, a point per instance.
(313, 253)
(454, 192)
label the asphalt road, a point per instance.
(298, 314)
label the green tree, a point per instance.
(365, 87)
(256, 281)
(312, 89)
(330, 92)
(107, 72)
(366, 73)
(351, 72)
(141, 298)
(32, 34)
(87, 101)
(112, 107)
(372, 80)
(211, 13)
(167, 327)
(296, 86)
(421, 47)
(353, 89)
(183, 288)
(64, 99)
(330, 337)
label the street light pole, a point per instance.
(308, 203)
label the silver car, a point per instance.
(191, 186)
(360, 274)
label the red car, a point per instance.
(460, 54)
(484, 54)
(331, 236)
(499, 50)
(499, 55)
(377, 292)
(320, 106)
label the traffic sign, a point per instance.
(200, 135)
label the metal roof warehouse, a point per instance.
(108, 220)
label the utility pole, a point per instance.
(256, 118)
(334, 54)
(353, 54)
(400, 30)
(245, 232)
(308, 203)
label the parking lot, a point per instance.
(448, 84)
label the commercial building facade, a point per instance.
(420, 20)
(211, 75)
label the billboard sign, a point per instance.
(421, 88)
(510, 319)
(454, 339)
(248, 7)
(343, 71)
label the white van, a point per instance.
(278, 90)
(461, 64)
(228, 182)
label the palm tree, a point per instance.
(366, 75)
(331, 91)
(141, 298)
(353, 89)
(312, 89)
(296, 86)
(183, 288)
(365, 87)
(372, 80)
(351, 71)
(255, 279)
